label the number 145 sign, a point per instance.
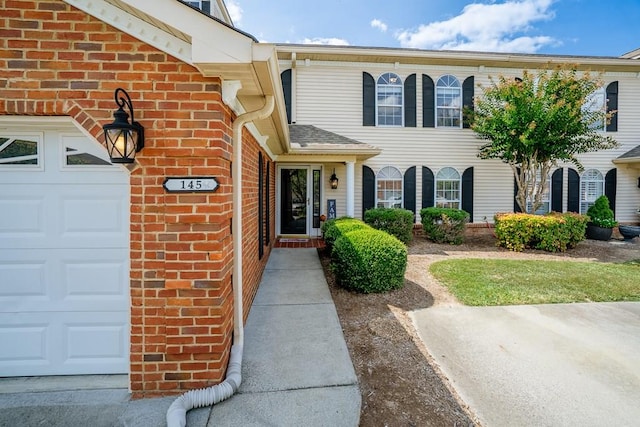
(190, 184)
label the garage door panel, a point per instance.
(22, 279)
(93, 216)
(20, 214)
(63, 343)
(86, 281)
(28, 344)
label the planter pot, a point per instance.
(629, 231)
(598, 233)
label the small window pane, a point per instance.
(591, 187)
(389, 188)
(15, 151)
(448, 188)
(75, 158)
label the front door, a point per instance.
(294, 201)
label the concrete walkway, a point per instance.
(296, 369)
(540, 365)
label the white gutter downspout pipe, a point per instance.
(177, 412)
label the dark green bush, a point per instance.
(397, 222)
(553, 232)
(444, 225)
(600, 214)
(369, 260)
(335, 228)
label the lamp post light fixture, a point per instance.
(123, 138)
(333, 180)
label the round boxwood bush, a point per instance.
(337, 227)
(444, 225)
(369, 260)
(397, 222)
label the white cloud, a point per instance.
(326, 40)
(376, 23)
(496, 27)
(235, 11)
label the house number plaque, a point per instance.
(190, 184)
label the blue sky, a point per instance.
(565, 27)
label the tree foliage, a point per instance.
(538, 121)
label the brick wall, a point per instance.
(56, 60)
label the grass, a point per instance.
(482, 282)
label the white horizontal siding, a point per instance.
(329, 95)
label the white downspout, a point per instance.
(177, 412)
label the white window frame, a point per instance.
(450, 92)
(444, 202)
(390, 175)
(545, 208)
(591, 187)
(597, 101)
(38, 138)
(388, 84)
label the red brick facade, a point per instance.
(56, 60)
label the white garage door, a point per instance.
(64, 255)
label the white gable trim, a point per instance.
(136, 27)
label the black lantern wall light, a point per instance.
(333, 180)
(124, 138)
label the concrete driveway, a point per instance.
(540, 365)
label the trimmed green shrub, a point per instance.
(554, 232)
(335, 228)
(369, 260)
(397, 222)
(600, 214)
(444, 225)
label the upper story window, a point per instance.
(389, 100)
(448, 188)
(591, 187)
(203, 5)
(389, 188)
(448, 102)
(596, 103)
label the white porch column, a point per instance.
(351, 188)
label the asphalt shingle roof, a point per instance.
(306, 135)
(634, 152)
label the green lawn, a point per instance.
(482, 282)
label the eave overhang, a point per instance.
(214, 47)
(452, 58)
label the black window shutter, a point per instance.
(410, 189)
(268, 204)
(573, 190)
(556, 190)
(516, 206)
(368, 189)
(428, 102)
(467, 101)
(260, 206)
(612, 105)
(467, 192)
(610, 186)
(410, 101)
(428, 189)
(368, 100)
(285, 76)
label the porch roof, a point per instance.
(311, 140)
(630, 157)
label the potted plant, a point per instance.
(601, 220)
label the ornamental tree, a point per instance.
(536, 122)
